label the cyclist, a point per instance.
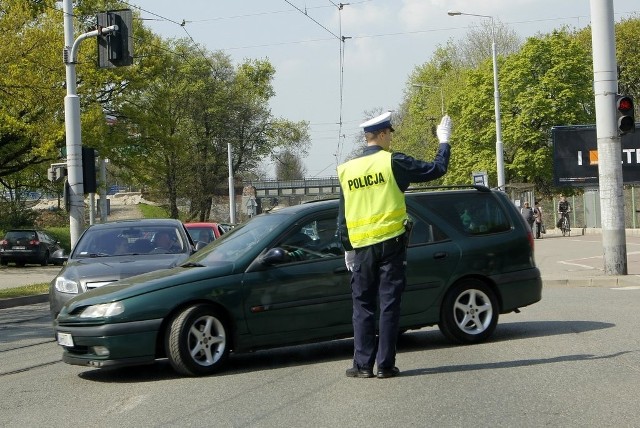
(564, 208)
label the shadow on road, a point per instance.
(342, 350)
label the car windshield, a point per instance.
(130, 240)
(238, 241)
(15, 235)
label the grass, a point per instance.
(25, 290)
(152, 211)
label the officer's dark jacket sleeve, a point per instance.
(406, 170)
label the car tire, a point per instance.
(197, 341)
(469, 312)
(4, 262)
(45, 259)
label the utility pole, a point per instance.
(605, 85)
(72, 130)
(72, 120)
(232, 190)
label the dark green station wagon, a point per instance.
(470, 259)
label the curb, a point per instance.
(595, 281)
(22, 301)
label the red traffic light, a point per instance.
(626, 120)
(625, 104)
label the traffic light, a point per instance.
(89, 170)
(624, 110)
(57, 171)
(115, 49)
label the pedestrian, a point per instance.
(527, 213)
(372, 223)
(537, 215)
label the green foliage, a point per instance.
(15, 214)
(628, 56)
(63, 235)
(30, 85)
(546, 82)
(153, 211)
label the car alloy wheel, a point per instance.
(197, 341)
(469, 312)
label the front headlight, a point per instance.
(65, 285)
(103, 310)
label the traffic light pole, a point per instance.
(72, 122)
(605, 85)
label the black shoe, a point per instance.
(361, 373)
(385, 373)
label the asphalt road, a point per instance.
(571, 360)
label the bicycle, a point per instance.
(565, 224)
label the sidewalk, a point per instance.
(578, 260)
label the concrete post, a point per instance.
(72, 129)
(605, 85)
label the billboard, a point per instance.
(575, 156)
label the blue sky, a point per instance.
(387, 40)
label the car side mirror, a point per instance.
(200, 245)
(275, 256)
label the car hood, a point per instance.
(147, 283)
(102, 269)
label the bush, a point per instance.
(62, 234)
(51, 218)
(16, 215)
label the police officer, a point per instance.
(371, 225)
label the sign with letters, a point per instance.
(575, 156)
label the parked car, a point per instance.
(110, 252)
(204, 232)
(470, 258)
(30, 246)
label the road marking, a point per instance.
(569, 262)
(631, 287)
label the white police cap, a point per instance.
(379, 122)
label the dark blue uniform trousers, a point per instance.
(378, 273)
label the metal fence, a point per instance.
(585, 209)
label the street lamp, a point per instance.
(496, 96)
(420, 85)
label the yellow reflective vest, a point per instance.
(374, 206)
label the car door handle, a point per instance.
(440, 255)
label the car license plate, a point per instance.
(18, 247)
(65, 339)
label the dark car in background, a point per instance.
(204, 231)
(22, 246)
(109, 252)
(470, 258)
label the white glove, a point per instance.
(444, 129)
(350, 260)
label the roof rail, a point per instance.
(454, 186)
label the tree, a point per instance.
(31, 85)
(547, 83)
(476, 46)
(289, 166)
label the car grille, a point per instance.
(98, 284)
